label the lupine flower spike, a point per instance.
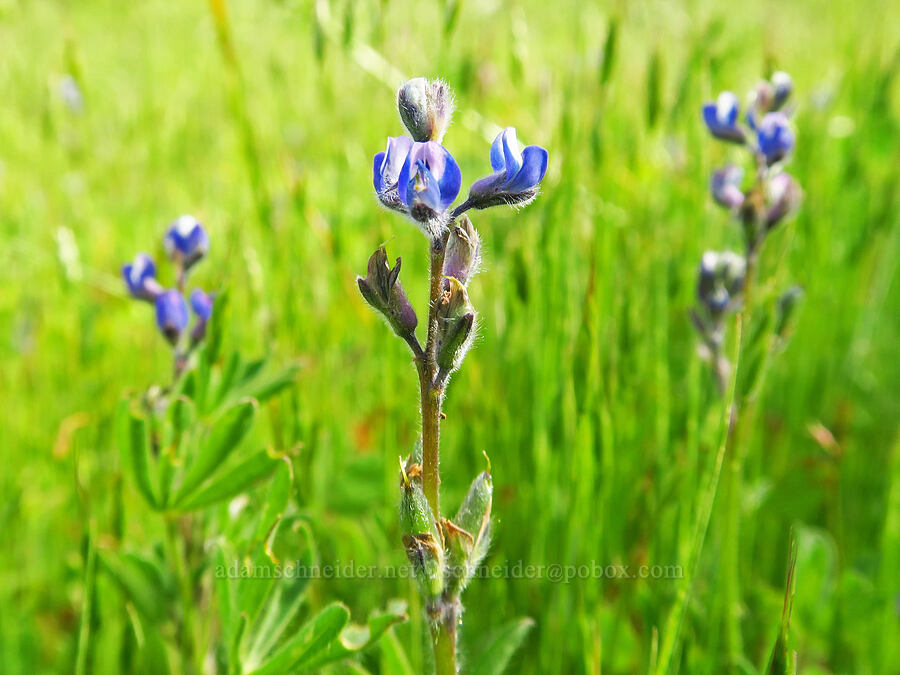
(419, 178)
(186, 242)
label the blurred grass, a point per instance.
(584, 387)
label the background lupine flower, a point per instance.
(517, 173)
(425, 108)
(202, 305)
(171, 314)
(463, 251)
(726, 186)
(386, 171)
(429, 182)
(784, 196)
(720, 281)
(721, 118)
(783, 86)
(775, 137)
(186, 241)
(140, 278)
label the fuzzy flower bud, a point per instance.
(382, 290)
(456, 322)
(517, 173)
(463, 251)
(421, 537)
(186, 241)
(171, 314)
(425, 108)
(468, 535)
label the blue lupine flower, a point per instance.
(720, 281)
(202, 304)
(186, 241)
(783, 86)
(171, 314)
(721, 118)
(140, 278)
(726, 186)
(775, 137)
(517, 173)
(429, 181)
(386, 171)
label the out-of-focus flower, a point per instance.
(775, 138)
(70, 93)
(721, 118)
(186, 241)
(783, 85)
(386, 171)
(140, 278)
(425, 108)
(726, 186)
(720, 281)
(784, 198)
(429, 181)
(171, 314)
(517, 173)
(202, 304)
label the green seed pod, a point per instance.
(421, 537)
(468, 536)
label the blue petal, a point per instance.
(403, 181)
(450, 182)
(511, 152)
(430, 194)
(534, 166)
(709, 116)
(171, 311)
(498, 163)
(376, 172)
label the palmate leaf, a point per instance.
(310, 642)
(227, 432)
(132, 432)
(501, 647)
(227, 484)
(357, 638)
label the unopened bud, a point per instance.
(783, 85)
(425, 108)
(382, 290)
(726, 186)
(456, 321)
(463, 251)
(784, 198)
(468, 535)
(421, 537)
(787, 307)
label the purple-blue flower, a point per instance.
(721, 117)
(774, 137)
(171, 314)
(517, 173)
(202, 304)
(386, 171)
(140, 278)
(186, 241)
(726, 186)
(429, 181)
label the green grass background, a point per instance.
(584, 387)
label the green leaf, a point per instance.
(232, 482)
(357, 638)
(212, 343)
(265, 387)
(141, 580)
(286, 597)
(134, 444)
(226, 434)
(393, 659)
(312, 640)
(278, 498)
(502, 645)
